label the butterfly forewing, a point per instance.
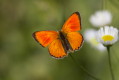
(45, 37)
(72, 24)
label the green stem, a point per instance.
(110, 65)
(103, 4)
(83, 68)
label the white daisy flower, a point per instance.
(90, 37)
(101, 18)
(107, 35)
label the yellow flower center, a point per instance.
(94, 41)
(107, 38)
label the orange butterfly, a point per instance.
(63, 41)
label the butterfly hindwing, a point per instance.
(72, 24)
(45, 37)
(75, 39)
(56, 49)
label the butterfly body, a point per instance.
(64, 41)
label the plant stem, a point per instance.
(110, 65)
(83, 68)
(102, 4)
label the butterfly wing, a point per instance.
(70, 28)
(45, 37)
(72, 24)
(75, 39)
(56, 49)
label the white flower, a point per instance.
(107, 35)
(90, 37)
(101, 18)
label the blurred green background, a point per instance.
(22, 58)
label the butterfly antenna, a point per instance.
(88, 73)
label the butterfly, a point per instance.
(60, 43)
